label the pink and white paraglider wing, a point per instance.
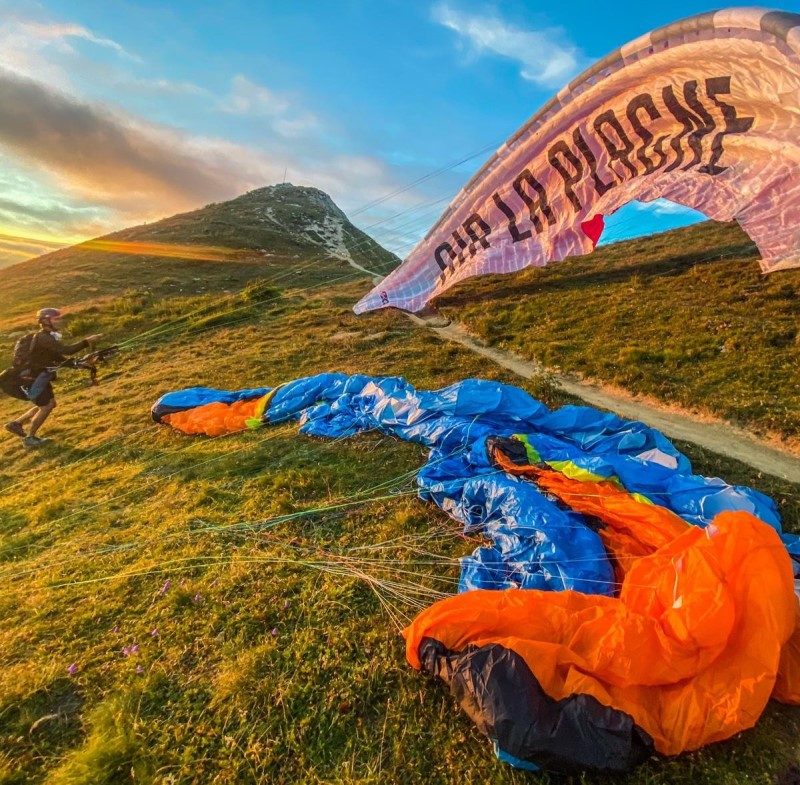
(704, 112)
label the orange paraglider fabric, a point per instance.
(633, 528)
(215, 419)
(787, 687)
(690, 649)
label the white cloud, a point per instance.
(300, 125)
(663, 207)
(60, 32)
(164, 86)
(249, 99)
(45, 49)
(139, 170)
(544, 56)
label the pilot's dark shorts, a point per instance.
(12, 385)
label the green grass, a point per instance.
(264, 233)
(684, 317)
(254, 663)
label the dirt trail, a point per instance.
(719, 437)
(376, 277)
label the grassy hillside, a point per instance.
(178, 610)
(276, 231)
(685, 317)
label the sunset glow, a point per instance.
(25, 247)
(106, 126)
(205, 253)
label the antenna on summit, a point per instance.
(285, 169)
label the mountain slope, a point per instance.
(281, 229)
(200, 610)
(684, 317)
(223, 610)
(280, 218)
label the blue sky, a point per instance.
(119, 112)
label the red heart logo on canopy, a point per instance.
(593, 228)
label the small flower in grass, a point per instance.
(165, 588)
(139, 670)
(115, 628)
(198, 598)
(285, 604)
(72, 669)
(154, 632)
(274, 631)
(129, 651)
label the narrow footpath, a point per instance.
(719, 437)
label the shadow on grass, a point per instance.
(671, 266)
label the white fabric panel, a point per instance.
(709, 110)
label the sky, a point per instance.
(114, 113)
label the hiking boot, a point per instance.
(34, 441)
(16, 429)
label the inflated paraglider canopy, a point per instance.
(621, 604)
(704, 112)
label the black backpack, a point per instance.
(22, 352)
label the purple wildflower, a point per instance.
(197, 597)
(139, 670)
(274, 631)
(165, 588)
(115, 628)
(72, 669)
(154, 632)
(285, 604)
(129, 651)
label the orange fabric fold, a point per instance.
(214, 419)
(787, 686)
(691, 648)
(633, 528)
